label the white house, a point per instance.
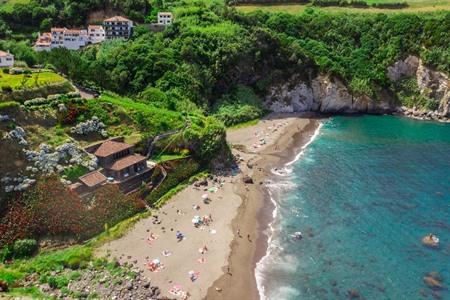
(72, 39)
(96, 34)
(6, 59)
(165, 18)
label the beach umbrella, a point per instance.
(205, 196)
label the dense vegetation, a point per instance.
(212, 49)
(324, 3)
(42, 14)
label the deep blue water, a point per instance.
(363, 194)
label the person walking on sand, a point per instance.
(248, 237)
(238, 232)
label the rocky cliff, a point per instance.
(328, 94)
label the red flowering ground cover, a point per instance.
(49, 208)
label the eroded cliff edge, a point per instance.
(414, 89)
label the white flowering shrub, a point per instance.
(49, 161)
(17, 133)
(92, 125)
(16, 183)
(4, 118)
(36, 102)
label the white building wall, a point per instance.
(7, 61)
(96, 35)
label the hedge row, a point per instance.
(39, 92)
(324, 3)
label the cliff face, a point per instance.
(330, 95)
(323, 94)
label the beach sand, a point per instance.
(230, 260)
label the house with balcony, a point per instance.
(118, 28)
(118, 165)
(6, 59)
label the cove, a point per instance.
(363, 194)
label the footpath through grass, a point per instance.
(415, 6)
(21, 81)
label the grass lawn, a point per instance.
(18, 82)
(414, 6)
(7, 5)
(167, 157)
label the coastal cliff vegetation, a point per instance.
(212, 69)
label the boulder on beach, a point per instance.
(247, 179)
(3, 287)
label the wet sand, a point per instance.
(229, 263)
(255, 212)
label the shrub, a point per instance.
(6, 254)
(24, 248)
(6, 70)
(6, 89)
(178, 171)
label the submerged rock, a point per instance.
(353, 294)
(431, 241)
(433, 280)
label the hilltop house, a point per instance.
(6, 59)
(118, 28)
(165, 18)
(118, 165)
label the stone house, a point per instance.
(118, 165)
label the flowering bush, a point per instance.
(50, 209)
(92, 125)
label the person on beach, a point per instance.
(179, 236)
(248, 237)
(238, 232)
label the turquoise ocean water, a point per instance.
(363, 193)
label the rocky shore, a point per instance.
(98, 280)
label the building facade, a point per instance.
(72, 39)
(6, 59)
(165, 18)
(118, 28)
(96, 34)
(118, 165)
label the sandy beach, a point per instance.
(226, 269)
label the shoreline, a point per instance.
(256, 211)
(229, 260)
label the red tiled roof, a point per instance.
(117, 19)
(111, 147)
(95, 27)
(58, 29)
(93, 178)
(73, 31)
(3, 53)
(127, 161)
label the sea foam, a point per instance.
(271, 257)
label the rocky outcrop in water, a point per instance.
(328, 94)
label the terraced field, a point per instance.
(414, 6)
